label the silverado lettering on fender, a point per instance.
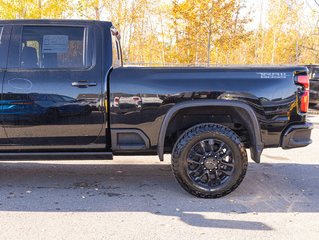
(65, 94)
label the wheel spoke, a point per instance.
(211, 143)
(197, 154)
(196, 167)
(227, 153)
(209, 178)
(227, 164)
(222, 145)
(228, 173)
(193, 161)
(222, 156)
(217, 177)
(203, 146)
(200, 176)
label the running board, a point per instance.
(11, 156)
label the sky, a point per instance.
(255, 6)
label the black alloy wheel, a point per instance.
(209, 160)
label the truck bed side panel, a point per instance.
(140, 97)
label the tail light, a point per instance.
(303, 80)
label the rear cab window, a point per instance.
(54, 47)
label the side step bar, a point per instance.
(21, 156)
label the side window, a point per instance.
(1, 30)
(3, 50)
(116, 53)
(54, 47)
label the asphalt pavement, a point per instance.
(138, 198)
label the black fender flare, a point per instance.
(257, 145)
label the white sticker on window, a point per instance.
(55, 44)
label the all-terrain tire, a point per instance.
(199, 133)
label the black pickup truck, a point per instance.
(65, 94)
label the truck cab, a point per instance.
(45, 71)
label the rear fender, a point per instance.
(244, 110)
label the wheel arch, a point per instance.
(242, 109)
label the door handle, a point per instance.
(83, 84)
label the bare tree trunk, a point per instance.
(40, 8)
(23, 14)
(233, 33)
(130, 33)
(297, 52)
(274, 48)
(260, 31)
(228, 56)
(210, 32)
(176, 40)
(261, 61)
(97, 11)
(244, 59)
(175, 2)
(196, 52)
(217, 56)
(141, 41)
(163, 41)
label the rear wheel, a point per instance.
(209, 160)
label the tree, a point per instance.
(204, 24)
(194, 32)
(20, 9)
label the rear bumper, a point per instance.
(297, 136)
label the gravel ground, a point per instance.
(138, 198)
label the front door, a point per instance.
(52, 89)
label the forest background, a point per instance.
(195, 32)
